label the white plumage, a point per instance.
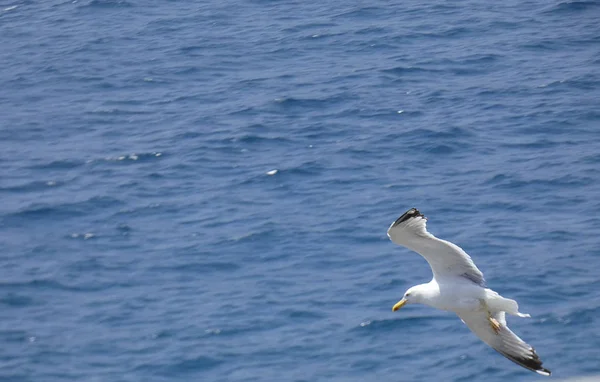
(459, 286)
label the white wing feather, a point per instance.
(445, 258)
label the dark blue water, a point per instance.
(143, 239)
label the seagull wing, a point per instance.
(446, 259)
(504, 341)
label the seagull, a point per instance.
(459, 286)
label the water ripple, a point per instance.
(201, 190)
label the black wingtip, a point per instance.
(412, 213)
(533, 364)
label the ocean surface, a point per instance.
(200, 190)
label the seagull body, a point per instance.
(459, 286)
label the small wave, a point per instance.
(192, 365)
(133, 157)
(13, 335)
(393, 324)
(539, 144)
(252, 236)
(308, 26)
(572, 6)
(255, 326)
(314, 36)
(362, 13)
(429, 135)
(63, 210)
(592, 159)
(36, 284)
(303, 315)
(497, 179)
(308, 103)
(440, 149)
(576, 317)
(195, 364)
(82, 236)
(433, 142)
(461, 62)
(16, 301)
(109, 4)
(564, 181)
(65, 164)
(408, 70)
(581, 378)
(118, 111)
(449, 33)
(36, 185)
(202, 267)
(311, 168)
(371, 30)
(586, 82)
(306, 168)
(259, 139)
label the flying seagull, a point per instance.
(458, 286)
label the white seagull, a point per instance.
(458, 286)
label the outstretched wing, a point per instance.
(503, 340)
(446, 259)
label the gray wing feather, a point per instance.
(444, 257)
(504, 341)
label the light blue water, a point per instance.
(141, 238)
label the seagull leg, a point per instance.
(494, 324)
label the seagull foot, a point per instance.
(494, 324)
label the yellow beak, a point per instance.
(399, 305)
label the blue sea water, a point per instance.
(200, 191)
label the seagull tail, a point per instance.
(497, 302)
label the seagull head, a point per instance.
(412, 296)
